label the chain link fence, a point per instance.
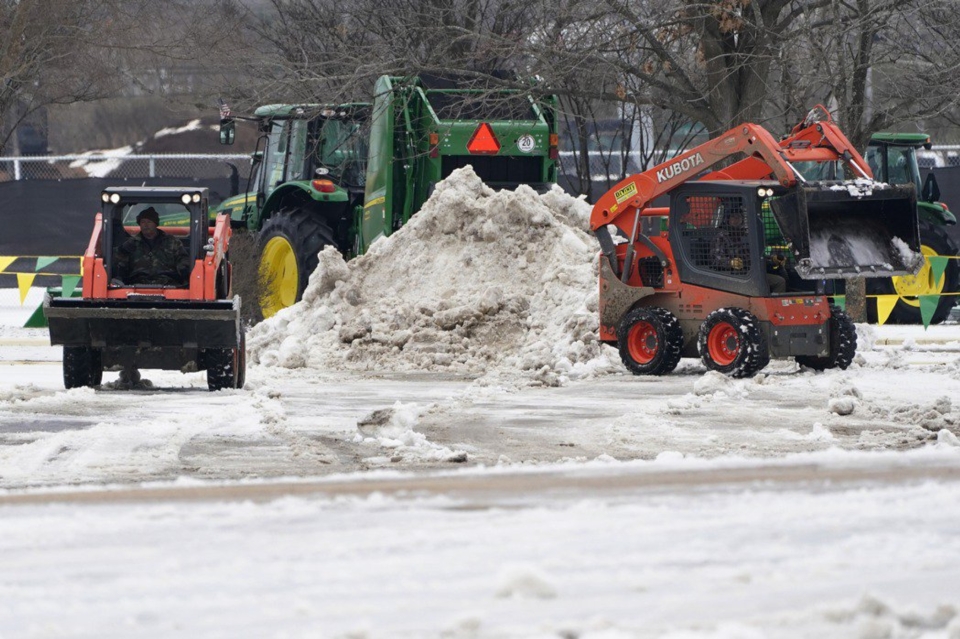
(123, 166)
(939, 156)
(601, 166)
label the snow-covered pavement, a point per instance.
(350, 503)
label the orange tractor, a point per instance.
(191, 325)
(734, 270)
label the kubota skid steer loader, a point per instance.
(189, 326)
(683, 292)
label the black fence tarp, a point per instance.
(55, 218)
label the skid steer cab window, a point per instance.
(172, 215)
(715, 235)
(151, 251)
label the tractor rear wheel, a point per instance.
(288, 246)
(843, 344)
(934, 242)
(82, 366)
(650, 340)
(731, 342)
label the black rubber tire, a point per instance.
(96, 366)
(306, 233)
(81, 367)
(227, 367)
(843, 344)
(650, 340)
(242, 360)
(935, 237)
(222, 368)
(730, 341)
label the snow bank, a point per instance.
(479, 282)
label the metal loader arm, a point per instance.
(622, 204)
(815, 139)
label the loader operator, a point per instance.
(151, 256)
(731, 251)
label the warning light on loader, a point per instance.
(483, 141)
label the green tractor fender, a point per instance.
(935, 213)
(296, 194)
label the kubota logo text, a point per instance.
(677, 168)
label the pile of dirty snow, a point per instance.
(479, 282)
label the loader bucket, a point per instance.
(851, 229)
(126, 324)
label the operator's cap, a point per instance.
(149, 213)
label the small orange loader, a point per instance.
(671, 287)
(188, 326)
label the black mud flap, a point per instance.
(106, 324)
(851, 229)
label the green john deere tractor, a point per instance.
(893, 158)
(346, 175)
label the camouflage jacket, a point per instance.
(163, 261)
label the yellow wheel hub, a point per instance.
(908, 287)
(279, 276)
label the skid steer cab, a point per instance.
(152, 298)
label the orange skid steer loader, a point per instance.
(187, 324)
(737, 277)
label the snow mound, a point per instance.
(860, 187)
(525, 581)
(479, 282)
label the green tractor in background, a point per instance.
(346, 175)
(893, 159)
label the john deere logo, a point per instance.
(625, 193)
(526, 143)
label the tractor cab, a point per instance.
(893, 159)
(305, 152)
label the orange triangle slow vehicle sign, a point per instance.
(483, 140)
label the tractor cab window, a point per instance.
(342, 151)
(901, 164)
(297, 151)
(274, 159)
(823, 171)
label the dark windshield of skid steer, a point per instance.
(151, 245)
(172, 214)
